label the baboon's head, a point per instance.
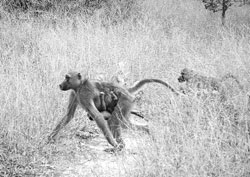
(72, 81)
(186, 75)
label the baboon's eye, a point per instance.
(79, 75)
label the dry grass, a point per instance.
(190, 137)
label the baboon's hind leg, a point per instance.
(126, 107)
(115, 126)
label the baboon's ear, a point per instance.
(79, 76)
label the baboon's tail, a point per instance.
(229, 75)
(145, 81)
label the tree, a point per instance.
(222, 5)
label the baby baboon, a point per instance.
(196, 81)
(125, 98)
(87, 95)
(111, 98)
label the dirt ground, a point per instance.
(80, 156)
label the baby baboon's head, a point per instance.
(72, 81)
(186, 75)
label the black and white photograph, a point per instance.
(125, 88)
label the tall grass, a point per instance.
(188, 137)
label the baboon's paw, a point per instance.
(112, 150)
(115, 150)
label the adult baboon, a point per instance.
(196, 81)
(87, 95)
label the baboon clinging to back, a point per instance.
(87, 95)
(196, 81)
(112, 98)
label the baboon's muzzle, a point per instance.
(63, 87)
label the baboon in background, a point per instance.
(87, 94)
(196, 81)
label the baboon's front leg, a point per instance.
(72, 105)
(101, 123)
(102, 105)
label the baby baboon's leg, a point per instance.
(67, 118)
(126, 107)
(102, 100)
(105, 114)
(113, 95)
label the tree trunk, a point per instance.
(224, 9)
